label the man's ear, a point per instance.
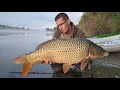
(68, 20)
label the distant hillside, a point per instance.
(6, 27)
(98, 23)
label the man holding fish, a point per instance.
(69, 46)
(66, 28)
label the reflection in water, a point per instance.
(30, 75)
(70, 74)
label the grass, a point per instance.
(106, 35)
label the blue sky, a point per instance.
(34, 20)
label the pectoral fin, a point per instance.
(83, 64)
(66, 67)
(26, 68)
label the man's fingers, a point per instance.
(50, 61)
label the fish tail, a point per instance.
(26, 65)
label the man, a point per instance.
(65, 26)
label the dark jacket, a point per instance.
(77, 33)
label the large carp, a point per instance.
(66, 51)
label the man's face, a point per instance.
(63, 24)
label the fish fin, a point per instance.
(83, 64)
(26, 68)
(89, 64)
(66, 67)
(64, 36)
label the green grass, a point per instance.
(106, 35)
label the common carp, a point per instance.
(67, 51)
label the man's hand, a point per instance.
(50, 61)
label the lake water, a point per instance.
(14, 43)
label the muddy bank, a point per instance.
(100, 70)
(105, 67)
(113, 59)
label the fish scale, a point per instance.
(66, 51)
(61, 51)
